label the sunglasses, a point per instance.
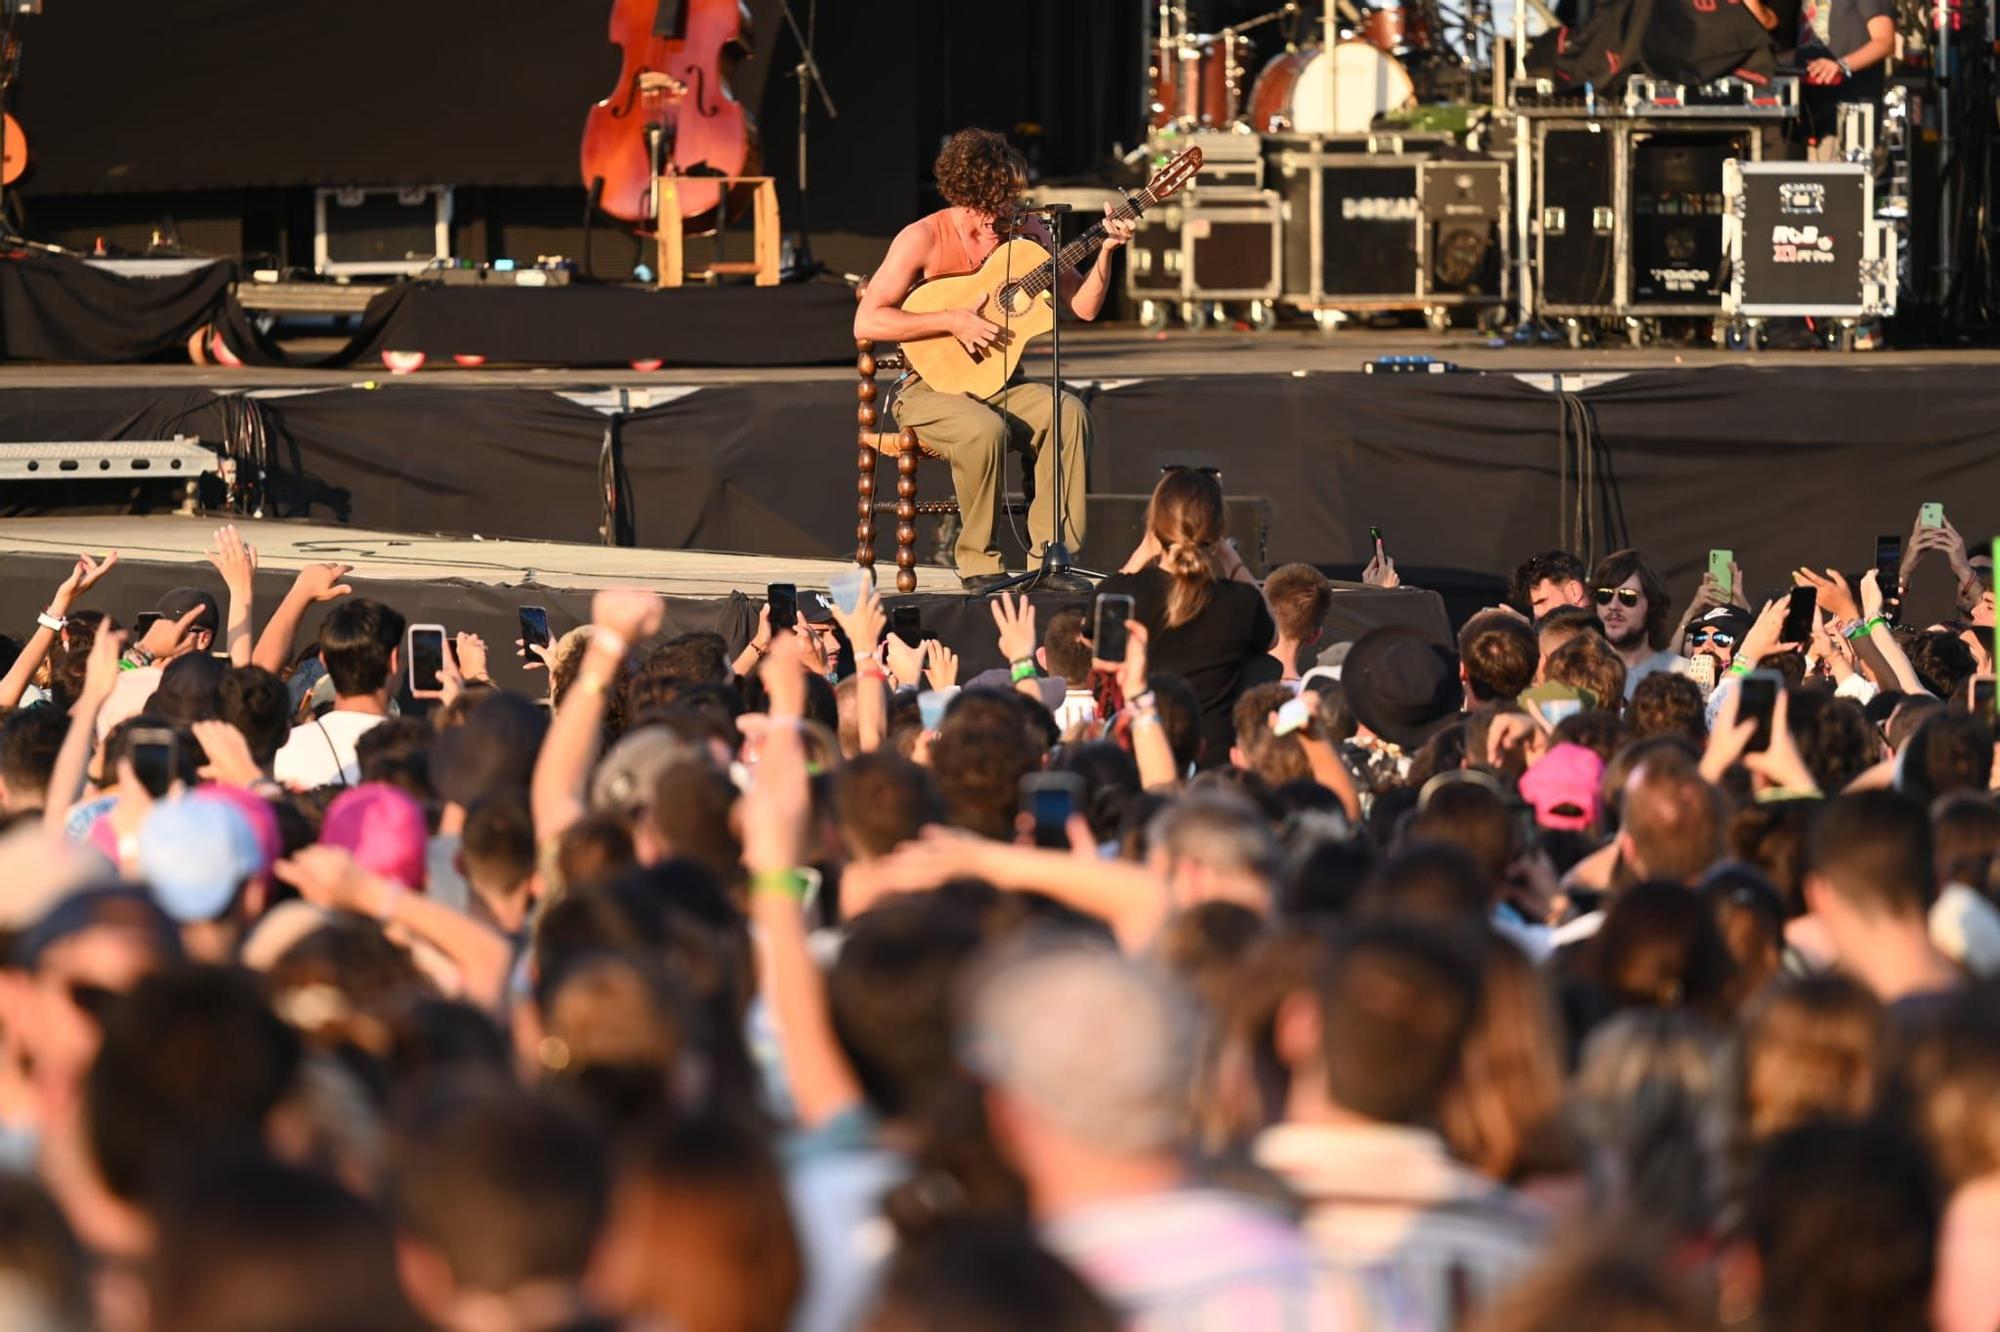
(1212, 473)
(1625, 596)
(1720, 637)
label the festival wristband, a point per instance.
(610, 639)
(788, 883)
(1024, 669)
(53, 623)
(1866, 627)
(1146, 700)
(1738, 668)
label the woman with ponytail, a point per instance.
(1205, 618)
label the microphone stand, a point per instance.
(808, 75)
(1055, 555)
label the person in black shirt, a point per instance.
(1205, 617)
(1841, 45)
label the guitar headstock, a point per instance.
(1175, 175)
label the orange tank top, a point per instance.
(948, 257)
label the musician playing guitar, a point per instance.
(982, 178)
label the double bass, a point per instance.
(674, 81)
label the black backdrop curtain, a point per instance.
(132, 96)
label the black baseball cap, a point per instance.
(184, 599)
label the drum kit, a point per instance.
(1382, 55)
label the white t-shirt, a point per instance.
(321, 753)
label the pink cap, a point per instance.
(384, 828)
(1566, 787)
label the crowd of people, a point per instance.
(1609, 968)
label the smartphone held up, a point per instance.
(1111, 632)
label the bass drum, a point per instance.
(1309, 91)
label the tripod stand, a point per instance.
(1055, 555)
(808, 75)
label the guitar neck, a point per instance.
(1084, 248)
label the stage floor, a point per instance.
(391, 557)
(1108, 353)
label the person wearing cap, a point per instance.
(1093, 1112)
(1566, 788)
(361, 645)
(205, 864)
(1715, 634)
(1403, 689)
(189, 621)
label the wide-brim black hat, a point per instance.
(1401, 685)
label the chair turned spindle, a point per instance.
(902, 445)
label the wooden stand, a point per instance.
(765, 231)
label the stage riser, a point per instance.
(1466, 473)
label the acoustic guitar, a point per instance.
(15, 159)
(1014, 288)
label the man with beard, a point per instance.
(1716, 633)
(1635, 610)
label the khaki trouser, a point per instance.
(973, 435)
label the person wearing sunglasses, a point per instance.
(1716, 635)
(1636, 613)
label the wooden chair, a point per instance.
(907, 450)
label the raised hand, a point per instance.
(472, 662)
(1132, 671)
(1871, 594)
(1953, 546)
(235, 560)
(1381, 571)
(82, 578)
(631, 613)
(906, 663)
(864, 624)
(942, 668)
(1835, 597)
(1014, 617)
(321, 582)
(100, 673)
(229, 759)
(164, 639)
(1762, 640)
(784, 673)
(330, 878)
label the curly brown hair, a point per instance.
(980, 170)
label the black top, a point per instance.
(1220, 652)
(1842, 27)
